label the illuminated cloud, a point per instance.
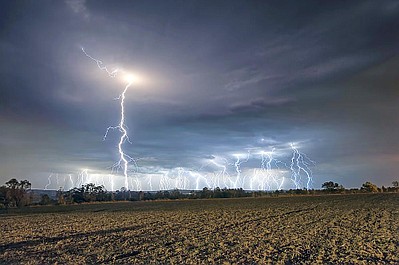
(218, 79)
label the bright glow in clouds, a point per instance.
(124, 159)
(132, 79)
(258, 168)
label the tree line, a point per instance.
(18, 193)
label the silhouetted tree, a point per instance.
(217, 193)
(206, 193)
(141, 195)
(122, 194)
(394, 188)
(369, 187)
(17, 191)
(175, 194)
(61, 196)
(332, 186)
(5, 198)
(86, 193)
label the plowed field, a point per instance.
(350, 229)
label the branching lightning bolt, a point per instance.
(237, 165)
(271, 174)
(300, 163)
(100, 65)
(124, 159)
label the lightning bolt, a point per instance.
(164, 182)
(266, 160)
(71, 180)
(272, 174)
(237, 165)
(181, 180)
(272, 160)
(124, 159)
(49, 181)
(218, 178)
(102, 67)
(149, 178)
(300, 163)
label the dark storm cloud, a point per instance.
(223, 76)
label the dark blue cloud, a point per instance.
(221, 76)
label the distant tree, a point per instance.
(122, 194)
(328, 185)
(17, 191)
(217, 193)
(102, 194)
(5, 198)
(206, 193)
(175, 194)
(12, 184)
(148, 196)
(24, 184)
(86, 193)
(77, 195)
(45, 200)
(369, 187)
(332, 186)
(394, 188)
(159, 195)
(141, 195)
(89, 192)
(60, 196)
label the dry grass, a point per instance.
(354, 229)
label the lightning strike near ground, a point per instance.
(124, 159)
(300, 166)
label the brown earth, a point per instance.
(345, 229)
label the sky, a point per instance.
(252, 94)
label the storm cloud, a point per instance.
(222, 77)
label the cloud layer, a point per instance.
(220, 78)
